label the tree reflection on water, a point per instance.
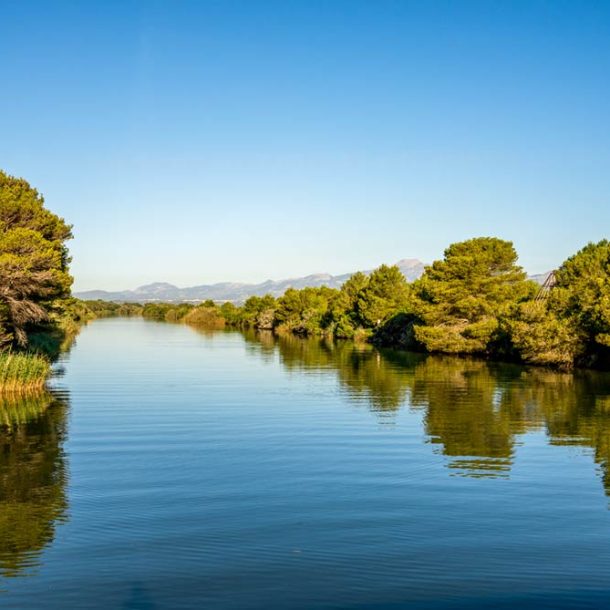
(33, 477)
(473, 410)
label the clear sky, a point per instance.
(196, 142)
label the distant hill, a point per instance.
(411, 268)
(540, 278)
(237, 292)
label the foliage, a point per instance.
(303, 311)
(540, 336)
(33, 260)
(230, 312)
(257, 312)
(157, 311)
(21, 372)
(343, 307)
(397, 331)
(56, 336)
(204, 315)
(572, 325)
(385, 293)
(109, 309)
(582, 294)
(462, 300)
(179, 312)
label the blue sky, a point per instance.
(195, 142)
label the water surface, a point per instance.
(172, 468)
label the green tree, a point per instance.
(156, 311)
(572, 325)
(33, 259)
(342, 311)
(230, 313)
(582, 294)
(258, 312)
(541, 337)
(385, 294)
(352, 289)
(461, 300)
(179, 311)
(304, 311)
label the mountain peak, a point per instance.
(409, 262)
(156, 287)
(411, 268)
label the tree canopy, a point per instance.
(582, 292)
(461, 300)
(33, 259)
(385, 293)
(572, 325)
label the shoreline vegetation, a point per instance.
(476, 301)
(38, 316)
(23, 372)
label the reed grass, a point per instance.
(22, 372)
(205, 317)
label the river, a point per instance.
(175, 468)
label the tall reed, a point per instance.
(20, 372)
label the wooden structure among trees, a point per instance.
(546, 287)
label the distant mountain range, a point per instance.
(539, 278)
(227, 291)
(411, 268)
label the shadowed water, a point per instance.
(172, 468)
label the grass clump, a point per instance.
(206, 316)
(22, 372)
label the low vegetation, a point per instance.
(21, 372)
(108, 309)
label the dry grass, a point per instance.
(205, 317)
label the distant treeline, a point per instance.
(476, 300)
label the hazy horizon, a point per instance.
(265, 279)
(200, 142)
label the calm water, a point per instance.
(177, 469)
